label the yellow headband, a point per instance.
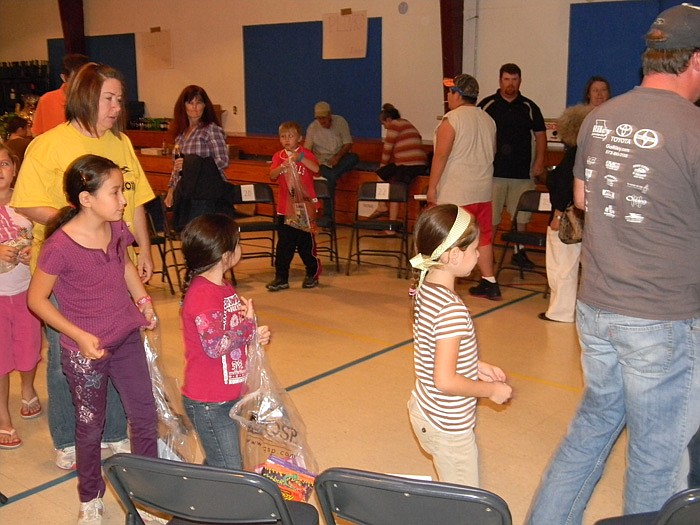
(424, 263)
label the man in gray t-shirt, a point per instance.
(638, 177)
(328, 137)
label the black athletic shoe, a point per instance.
(486, 289)
(520, 259)
(277, 284)
(310, 282)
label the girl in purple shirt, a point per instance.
(104, 305)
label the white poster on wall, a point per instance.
(157, 50)
(345, 35)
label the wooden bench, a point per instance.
(240, 170)
(158, 168)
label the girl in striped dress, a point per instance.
(449, 375)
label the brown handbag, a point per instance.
(571, 225)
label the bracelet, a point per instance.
(301, 157)
(145, 299)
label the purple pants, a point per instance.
(126, 366)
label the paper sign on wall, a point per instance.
(345, 35)
(156, 50)
(247, 192)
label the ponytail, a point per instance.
(64, 215)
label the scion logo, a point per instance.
(646, 138)
(624, 130)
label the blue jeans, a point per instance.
(694, 450)
(345, 164)
(217, 432)
(640, 373)
(60, 403)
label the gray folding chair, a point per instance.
(200, 494)
(680, 509)
(530, 202)
(260, 227)
(370, 498)
(326, 223)
(372, 231)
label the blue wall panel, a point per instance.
(285, 76)
(118, 51)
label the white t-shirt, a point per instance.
(468, 174)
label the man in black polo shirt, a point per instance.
(517, 119)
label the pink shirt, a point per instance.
(215, 334)
(15, 229)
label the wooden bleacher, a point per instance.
(243, 168)
(250, 163)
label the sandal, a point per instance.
(30, 409)
(14, 442)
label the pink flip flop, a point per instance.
(30, 409)
(13, 443)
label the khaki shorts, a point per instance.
(507, 192)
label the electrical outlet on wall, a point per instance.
(235, 110)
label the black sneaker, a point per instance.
(277, 284)
(486, 289)
(520, 259)
(310, 282)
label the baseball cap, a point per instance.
(675, 28)
(322, 109)
(465, 85)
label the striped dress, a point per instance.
(439, 313)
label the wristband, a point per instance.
(145, 299)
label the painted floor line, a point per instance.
(40, 488)
(383, 351)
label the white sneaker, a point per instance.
(123, 446)
(65, 458)
(91, 512)
(147, 517)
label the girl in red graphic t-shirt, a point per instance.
(217, 325)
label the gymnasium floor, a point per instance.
(344, 352)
